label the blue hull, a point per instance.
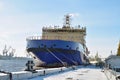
(55, 53)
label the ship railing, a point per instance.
(43, 37)
(58, 27)
(34, 38)
(76, 39)
(49, 37)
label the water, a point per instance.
(13, 65)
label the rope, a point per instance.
(67, 58)
(55, 56)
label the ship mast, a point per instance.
(67, 21)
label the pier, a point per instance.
(21, 75)
(79, 73)
(64, 73)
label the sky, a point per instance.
(20, 19)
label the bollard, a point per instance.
(44, 72)
(73, 67)
(60, 70)
(10, 74)
(30, 65)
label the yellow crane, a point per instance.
(118, 51)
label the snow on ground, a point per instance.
(86, 73)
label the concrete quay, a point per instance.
(28, 74)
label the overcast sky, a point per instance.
(22, 18)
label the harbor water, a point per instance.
(13, 65)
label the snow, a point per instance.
(81, 73)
